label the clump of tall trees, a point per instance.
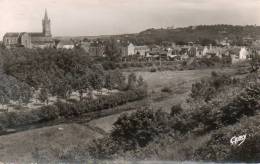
(59, 72)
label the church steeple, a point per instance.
(46, 25)
(46, 15)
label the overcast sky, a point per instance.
(98, 17)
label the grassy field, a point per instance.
(180, 83)
(48, 143)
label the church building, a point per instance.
(31, 39)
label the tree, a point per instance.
(44, 95)
(115, 80)
(112, 51)
(132, 81)
(255, 62)
(140, 81)
(139, 128)
(97, 76)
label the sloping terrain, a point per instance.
(47, 143)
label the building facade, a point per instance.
(31, 39)
(131, 49)
(65, 44)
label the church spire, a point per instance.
(46, 15)
(46, 25)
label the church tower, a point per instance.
(46, 25)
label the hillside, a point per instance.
(81, 37)
(102, 37)
(202, 33)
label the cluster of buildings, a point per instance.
(177, 52)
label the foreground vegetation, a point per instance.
(199, 129)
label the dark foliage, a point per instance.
(166, 89)
(13, 89)
(131, 132)
(59, 71)
(207, 88)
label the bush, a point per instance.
(166, 89)
(207, 88)
(176, 109)
(153, 69)
(131, 132)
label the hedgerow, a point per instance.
(66, 109)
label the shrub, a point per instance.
(130, 132)
(166, 89)
(153, 69)
(176, 109)
(207, 88)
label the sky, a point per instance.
(105, 17)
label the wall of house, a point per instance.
(131, 49)
(26, 41)
(10, 41)
(141, 52)
(243, 54)
(41, 39)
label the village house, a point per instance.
(238, 54)
(141, 50)
(130, 49)
(256, 49)
(93, 48)
(243, 54)
(65, 44)
(212, 51)
(97, 49)
(199, 52)
(224, 42)
(191, 52)
(256, 46)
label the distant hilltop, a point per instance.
(89, 37)
(198, 33)
(82, 37)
